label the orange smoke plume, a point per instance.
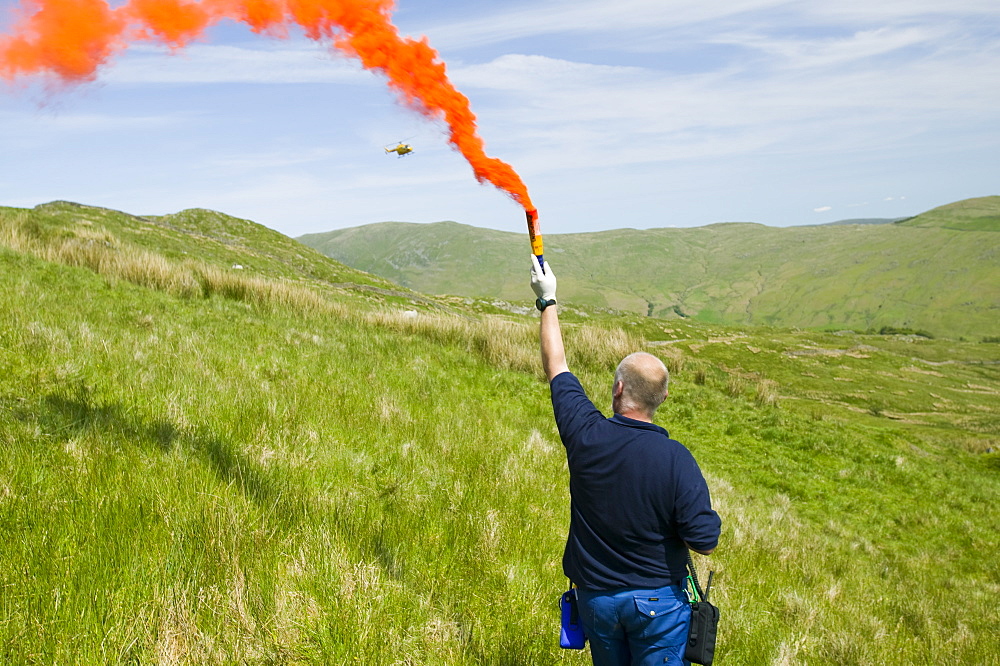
(72, 39)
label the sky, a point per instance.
(634, 113)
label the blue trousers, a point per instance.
(636, 627)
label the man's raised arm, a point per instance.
(553, 353)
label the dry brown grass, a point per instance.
(766, 393)
(736, 385)
(511, 344)
(675, 359)
(500, 342)
(598, 347)
(103, 253)
(743, 384)
(264, 292)
(179, 641)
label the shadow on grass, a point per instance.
(68, 416)
(72, 414)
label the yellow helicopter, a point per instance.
(400, 149)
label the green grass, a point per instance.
(226, 491)
(938, 272)
(235, 475)
(981, 214)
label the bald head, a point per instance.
(643, 383)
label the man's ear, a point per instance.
(617, 389)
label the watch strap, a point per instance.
(542, 304)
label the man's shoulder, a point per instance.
(563, 378)
(566, 385)
(571, 404)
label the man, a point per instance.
(638, 501)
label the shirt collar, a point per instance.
(632, 423)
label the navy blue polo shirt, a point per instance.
(635, 497)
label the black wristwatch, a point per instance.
(541, 305)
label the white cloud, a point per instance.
(596, 115)
(822, 209)
(802, 53)
(864, 10)
(627, 24)
(589, 16)
(532, 74)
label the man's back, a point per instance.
(637, 496)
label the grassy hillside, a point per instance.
(938, 272)
(981, 214)
(201, 464)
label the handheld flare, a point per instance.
(535, 234)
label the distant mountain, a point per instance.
(938, 271)
(863, 220)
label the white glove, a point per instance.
(543, 284)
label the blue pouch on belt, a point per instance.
(571, 636)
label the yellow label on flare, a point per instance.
(534, 233)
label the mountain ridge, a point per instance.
(938, 271)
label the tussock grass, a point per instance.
(509, 344)
(99, 251)
(739, 383)
(766, 393)
(675, 359)
(736, 385)
(502, 343)
(106, 255)
(596, 347)
(264, 292)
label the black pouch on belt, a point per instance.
(701, 635)
(704, 622)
